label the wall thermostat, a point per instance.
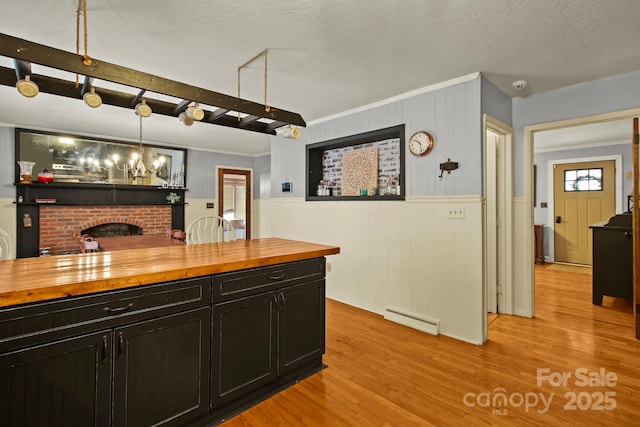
(286, 187)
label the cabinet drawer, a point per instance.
(228, 286)
(27, 324)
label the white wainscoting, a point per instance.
(523, 302)
(407, 255)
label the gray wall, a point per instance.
(261, 164)
(597, 97)
(201, 171)
(495, 102)
(451, 114)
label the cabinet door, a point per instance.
(244, 346)
(301, 323)
(161, 370)
(64, 383)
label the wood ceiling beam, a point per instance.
(24, 50)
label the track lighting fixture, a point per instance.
(92, 99)
(26, 87)
(195, 112)
(291, 132)
(185, 119)
(142, 109)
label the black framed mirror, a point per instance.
(79, 159)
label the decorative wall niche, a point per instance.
(334, 167)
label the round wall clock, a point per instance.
(421, 143)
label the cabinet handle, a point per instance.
(275, 302)
(628, 234)
(120, 343)
(117, 310)
(283, 301)
(105, 348)
(278, 277)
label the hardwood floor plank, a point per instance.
(384, 374)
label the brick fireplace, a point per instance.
(60, 226)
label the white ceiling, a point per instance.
(325, 56)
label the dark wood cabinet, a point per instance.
(62, 383)
(259, 340)
(612, 263)
(160, 371)
(129, 357)
(244, 351)
(188, 352)
(301, 325)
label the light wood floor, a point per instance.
(384, 374)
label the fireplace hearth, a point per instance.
(113, 229)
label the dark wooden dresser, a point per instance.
(612, 258)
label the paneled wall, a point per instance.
(404, 254)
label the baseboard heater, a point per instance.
(415, 321)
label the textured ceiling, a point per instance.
(325, 56)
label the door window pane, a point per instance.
(583, 180)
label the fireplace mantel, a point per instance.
(95, 194)
(31, 197)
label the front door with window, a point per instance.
(584, 193)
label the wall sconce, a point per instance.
(185, 119)
(195, 112)
(447, 166)
(26, 87)
(92, 99)
(142, 109)
(291, 132)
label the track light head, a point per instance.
(185, 119)
(142, 109)
(92, 99)
(195, 112)
(26, 87)
(291, 132)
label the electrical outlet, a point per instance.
(455, 213)
(328, 267)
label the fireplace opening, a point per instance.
(113, 229)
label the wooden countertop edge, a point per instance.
(55, 291)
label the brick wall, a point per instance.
(388, 162)
(60, 226)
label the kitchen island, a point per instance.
(184, 335)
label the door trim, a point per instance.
(619, 204)
(528, 288)
(220, 170)
(505, 301)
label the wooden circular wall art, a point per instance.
(359, 170)
(421, 143)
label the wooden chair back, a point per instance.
(210, 229)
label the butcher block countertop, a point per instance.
(28, 280)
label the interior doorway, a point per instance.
(584, 193)
(498, 214)
(234, 199)
(527, 299)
